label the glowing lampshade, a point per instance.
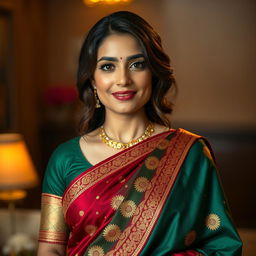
(16, 168)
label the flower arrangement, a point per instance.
(20, 245)
(60, 95)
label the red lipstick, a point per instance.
(124, 95)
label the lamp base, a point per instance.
(12, 195)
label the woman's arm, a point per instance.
(210, 229)
(53, 235)
(47, 249)
(54, 232)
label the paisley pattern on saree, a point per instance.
(110, 166)
(134, 237)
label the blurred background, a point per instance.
(212, 45)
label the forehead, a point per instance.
(119, 45)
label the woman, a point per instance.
(131, 185)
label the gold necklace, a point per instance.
(120, 145)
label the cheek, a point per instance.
(146, 83)
(102, 82)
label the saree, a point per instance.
(159, 197)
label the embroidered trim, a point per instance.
(53, 228)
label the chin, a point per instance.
(128, 108)
(129, 111)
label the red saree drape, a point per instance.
(112, 207)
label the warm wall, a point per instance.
(213, 48)
(69, 21)
(211, 43)
(27, 75)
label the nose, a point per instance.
(123, 77)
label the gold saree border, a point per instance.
(109, 167)
(135, 236)
(53, 228)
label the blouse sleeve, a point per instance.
(53, 228)
(54, 178)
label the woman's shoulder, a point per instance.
(66, 149)
(200, 148)
(200, 143)
(68, 143)
(186, 133)
(59, 166)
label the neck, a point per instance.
(125, 128)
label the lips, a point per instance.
(124, 95)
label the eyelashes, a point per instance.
(138, 65)
(107, 67)
(135, 66)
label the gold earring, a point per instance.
(97, 105)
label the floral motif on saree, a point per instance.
(128, 208)
(116, 201)
(190, 238)
(212, 221)
(141, 184)
(90, 229)
(96, 250)
(112, 233)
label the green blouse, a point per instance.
(65, 164)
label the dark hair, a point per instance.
(157, 60)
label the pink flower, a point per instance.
(60, 95)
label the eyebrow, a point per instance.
(114, 59)
(136, 56)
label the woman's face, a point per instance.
(122, 78)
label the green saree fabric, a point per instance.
(196, 215)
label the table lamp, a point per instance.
(17, 171)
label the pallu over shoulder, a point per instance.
(113, 207)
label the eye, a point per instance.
(107, 67)
(139, 65)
